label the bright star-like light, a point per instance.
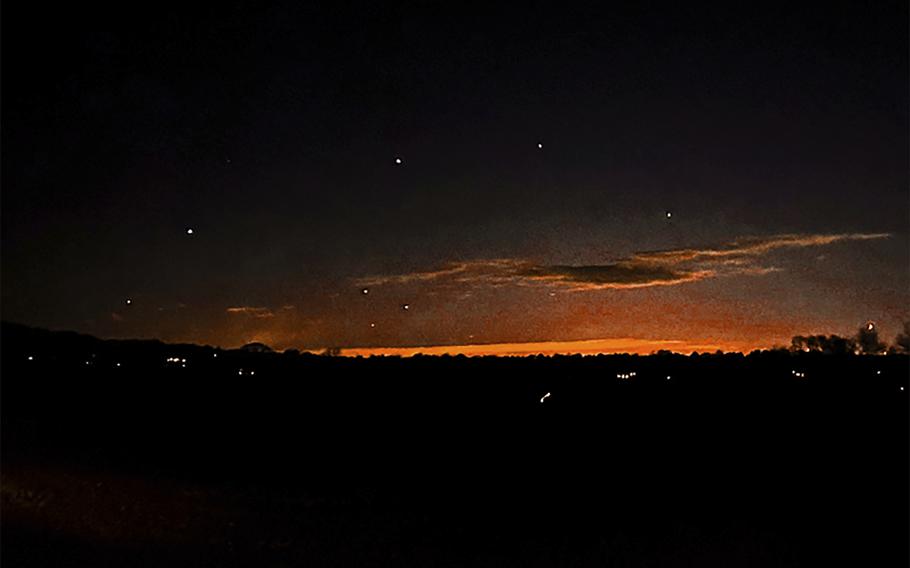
(870, 326)
(902, 388)
(30, 358)
(406, 307)
(116, 364)
(539, 145)
(365, 291)
(189, 231)
(669, 215)
(544, 397)
(398, 161)
(668, 377)
(129, 301)
(372, 324)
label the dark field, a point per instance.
(320, 461)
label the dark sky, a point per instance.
(776, 136)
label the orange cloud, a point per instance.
(641, 270)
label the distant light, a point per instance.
(30, 358)
(406, 307)
(365, 291)
(398, 161)
(189, 231)
(870, 326)
(539, 145)
(552, 294)
(668, 377)
(240, 371)
(183, 365)
(544, 397)
(88, 363)
(252, 372)
(128, 301)
(669, 215)
(878, 372)
(902, 388)
(214, 355)
(372, 325)
(116, 364)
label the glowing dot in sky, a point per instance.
(129, 301)
(372, 325)
(668, 377)
(30, 358)
(902, 388)
(669, 215)
(365, 291)
(878, 372)
(544, 397)
(116, 364)
(539, 145)
(406, 307)
(189, 231)
(398, 161)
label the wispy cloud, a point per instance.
(256, 312)
(640, 270)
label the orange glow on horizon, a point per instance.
(584, 347)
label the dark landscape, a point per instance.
(113, 455)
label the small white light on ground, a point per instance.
(669, 215)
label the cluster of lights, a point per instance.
(627, 375)
(798, 374)
(240, 372)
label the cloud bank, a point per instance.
(640, 270)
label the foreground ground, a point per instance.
(114, 455)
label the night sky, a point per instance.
(395, 175)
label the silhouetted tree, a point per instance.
(867, 340)
(902, 341)
(831, 344)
